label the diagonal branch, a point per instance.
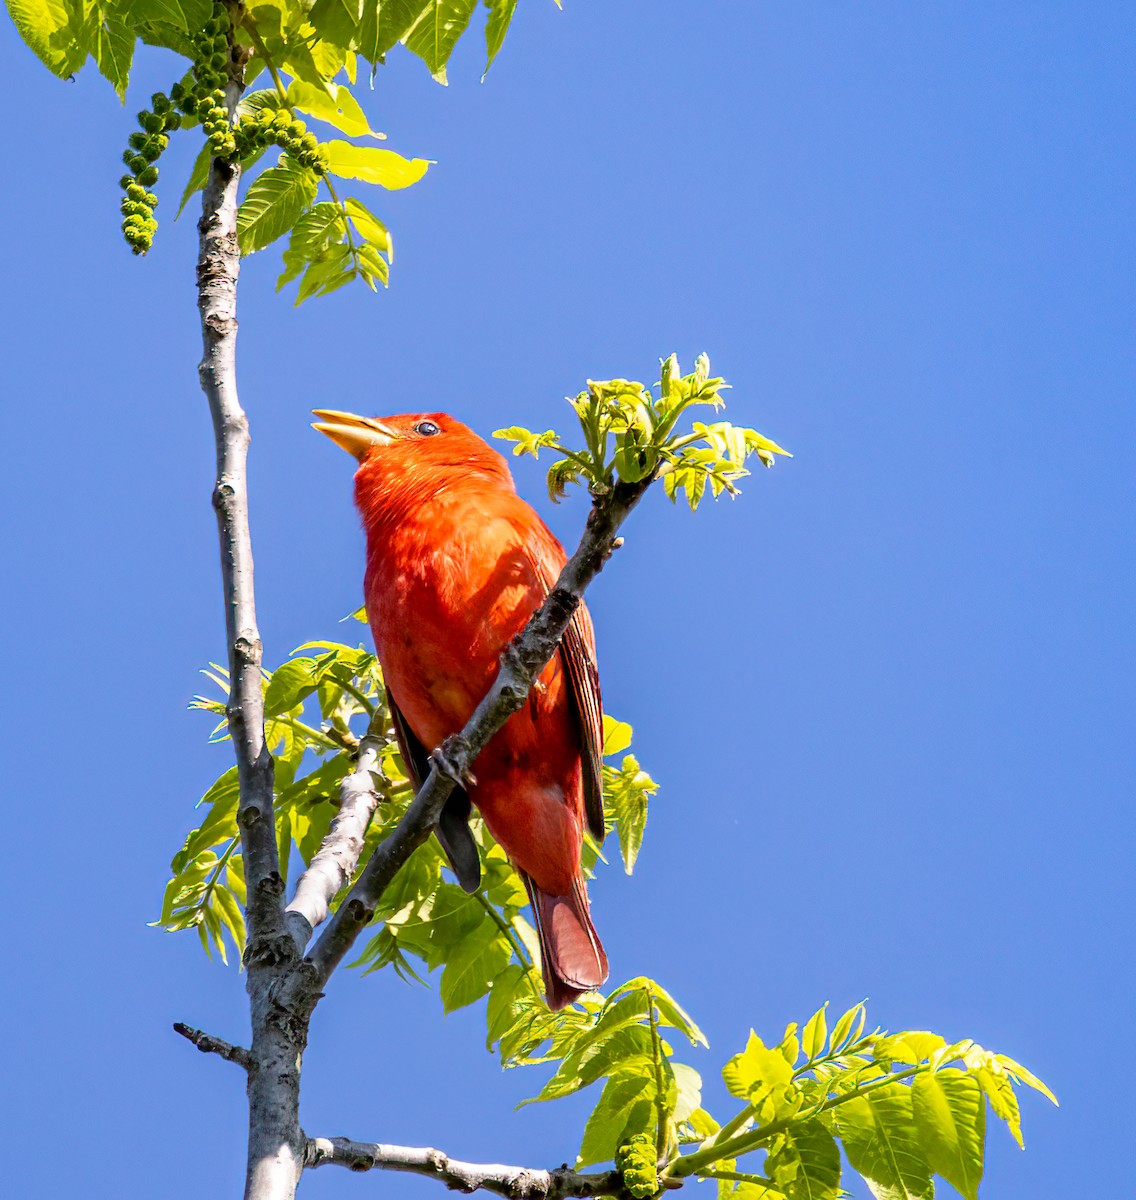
(208, 1044)
(515, 1183)
(334, 862)
(522, 661)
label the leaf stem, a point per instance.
(661, 1138)
(315, 735)
(365, 701)
(743, 1177)
(510, 935)
(734, 1147)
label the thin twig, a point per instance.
(208, 1044)
(515, 1183)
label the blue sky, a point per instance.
(887, 692)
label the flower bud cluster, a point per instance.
(278, 127)
(141, 155)
(637, 1160)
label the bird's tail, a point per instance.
(571, 957)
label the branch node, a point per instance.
(451, 760)
(208, 1044)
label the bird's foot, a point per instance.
(449, 759)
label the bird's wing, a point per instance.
(578, 656)
(453, 825)
(578, 659)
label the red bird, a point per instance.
(457, 562)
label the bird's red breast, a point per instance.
(457, 562)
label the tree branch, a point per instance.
(275, 1144)
(335, 861)
(218, 266)
(515, 1183)
(208, 1044)
(522, 660)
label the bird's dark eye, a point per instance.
(426, 428)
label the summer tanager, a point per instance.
(457, 562)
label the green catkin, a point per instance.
(637, 1161)
(205, 100)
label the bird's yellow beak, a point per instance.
(356, 435)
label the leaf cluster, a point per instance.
(309, 54)
(904, 1108)
(317, 705)
(632, 433)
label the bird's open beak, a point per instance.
(356, 435)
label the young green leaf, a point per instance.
(950, 1121)
(805, 1162)
(274, 203)
(878, 1133)
(436, 31)
(334, 104)
(372, 165)
(815, 1035)
(496, 26)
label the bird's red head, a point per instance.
(409, 458)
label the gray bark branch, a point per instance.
(275, 1145)
(208, 1044)
(515, 1183)
(335, 861)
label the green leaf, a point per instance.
(312, 238)
(878, 1132)
(1019, 1073)
(816, 1033)
(806, 1162)
(291, 682)
(335, 105)
(198, 175)
(229, 912)
(626, 1049)
(328, 274)
(55, 31)
(368, 226)
(842, 1031)
(616, 734)
(336, 20)
(626, 1107)
(496, 26)
(435, 33)
(474, 965)
(689, 1086)
(626, 796)
(669, 1011)
(273, 205)
(1003, 1100)
(113, 49)
(169, 11)
(527, 441)
(910, 1048)
(372, 165)
(317, 786)
(950, 1120)
(384, 23)
(757, 1070)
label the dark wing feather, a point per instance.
(453, 825)
(578, 659)
(577, 655)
